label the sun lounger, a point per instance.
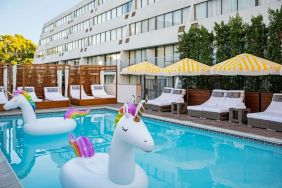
(98, 91)
(32, 93)
(3, 96)
(75, 93)
(216, 99)
(54, 94)
(271, 118)
(164, 96)
(233, 99)
(163, 103)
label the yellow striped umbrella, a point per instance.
(142, 68)
(187, 67)
(246, 64)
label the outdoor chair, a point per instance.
(98, 91)
(233, 99)
(271, 118)
(31, 92)
(216, 99)
(75, 92)
(54, 94)
(169, 96)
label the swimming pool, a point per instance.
(183, 156)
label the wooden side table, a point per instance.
(238, 115)
(178, 108)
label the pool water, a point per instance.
(183, 157)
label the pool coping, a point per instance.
(187, 123)
(8, 173)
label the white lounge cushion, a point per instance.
(270, 116)
(217, 109)
(276, 104)
(98, 91)
(166, 94)
(54, 94)
(75, 92)
(216, 99)
(31, 92)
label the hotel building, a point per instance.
(125, 32)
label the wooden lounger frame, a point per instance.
(52, 104)
(87, 75)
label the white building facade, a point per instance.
(125, 32)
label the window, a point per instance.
(144, 24)
(138, 4)
(124, 31)
(186, 15)
(168, 55)
(114, 13)
(243, 4)
(262, 2)
(144, 3)
(160, 56)
(103, 37)
(160, 22)
(94, 39)
(119, 11)
(99, 19)
(132, 29)
(151, 2)
(108, 36)
(103, 17)
(177, 17)
(214, 8)
(114, 34)
(138, 28)
(98, 37)
(229, 6)
(152, 24)
(109, 15)
(201, 11)
(119, 33)
(168, 20)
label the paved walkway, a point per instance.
(8, 179)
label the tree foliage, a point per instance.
(16, 49)
(197, 44)
(231, 39)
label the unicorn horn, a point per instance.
(141, 109)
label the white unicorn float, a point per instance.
(34, 126)
(118, 168)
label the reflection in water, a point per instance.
(182, 157)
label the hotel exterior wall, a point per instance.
(150, 39)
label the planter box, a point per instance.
(252, 101)
(197, 96)
(265, 100)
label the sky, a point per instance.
(26, 17)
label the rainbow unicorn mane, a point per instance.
(73, 113)
(27, 96)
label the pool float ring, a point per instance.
(41, 126)
(118, 168)
(82, 146)
(73, 113)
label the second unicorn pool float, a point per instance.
(118, 168)
(41, 126)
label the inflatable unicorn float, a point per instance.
(34, 126)
(118, 168)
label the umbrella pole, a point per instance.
(144, 84)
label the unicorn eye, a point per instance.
(124, 129)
